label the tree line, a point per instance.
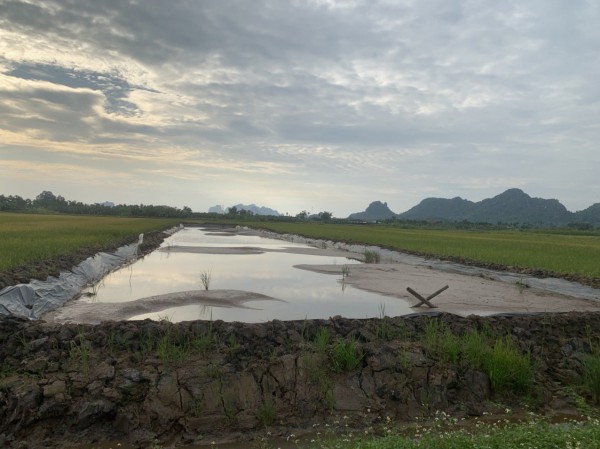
(49, 202)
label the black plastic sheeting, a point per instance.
(38, 297)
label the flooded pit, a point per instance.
(245, 263)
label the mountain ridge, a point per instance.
(511, 206)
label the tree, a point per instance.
(46, 199)
(325, 216)
(302, 215)
(232, 211)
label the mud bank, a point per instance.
(198, 382)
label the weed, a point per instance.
(372, 256)
(345, 272)
(205, 341)
(383, 328)
(404, 359)
(146, 343)
(80, 349)
(589, 337)
(317, 375)
(441, 341)
(229, 407)
(232, 343)
(266, 413)
(591, 376)
(346, 355)
(165, 318)
(522, 285)
(475, 348)
(205, 278)
(197, 407)
(171, 350)
(213, 371)
(321, 340)
(507, 369)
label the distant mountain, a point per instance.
(375, 211)
(257, 210)
(511, 206)
(515, 206)
(589, 215)
(454, 209)
(218, 209)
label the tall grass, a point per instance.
(591, 376)
(509, 370)
(30, 238)
(568, 254)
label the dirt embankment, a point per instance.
(65, 385)
(52, 267)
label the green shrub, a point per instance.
(346, 355)
(507, 369)
(267, 413)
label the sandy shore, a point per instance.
(466, 294)
(94, 313)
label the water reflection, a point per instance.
(305, 294)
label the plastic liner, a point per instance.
(554, 285)
(38, 297)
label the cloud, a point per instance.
(405, 98)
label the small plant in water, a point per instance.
(345, 272)
(205, 278)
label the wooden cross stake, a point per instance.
(425, 300)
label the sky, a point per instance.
(315, 105)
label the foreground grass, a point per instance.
(538, 434)
(30, 238)
(558, 253)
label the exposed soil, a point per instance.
(198, 382)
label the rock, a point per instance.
(48, 398)
(56, 388)
(91, 412)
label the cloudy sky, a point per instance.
(300, 105)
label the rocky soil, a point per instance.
(66, 385)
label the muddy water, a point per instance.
(300, 293)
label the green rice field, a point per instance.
(26, 238)
(569, 254)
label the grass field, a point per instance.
(558, 253)
(26, 238)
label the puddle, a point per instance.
(301, 293)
